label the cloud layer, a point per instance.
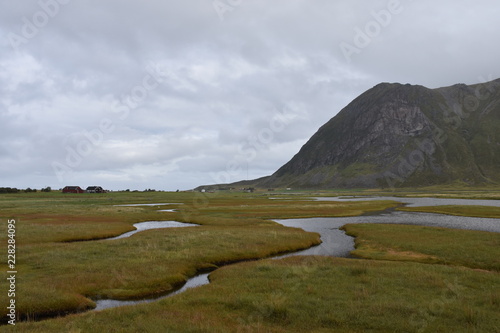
(170, 95)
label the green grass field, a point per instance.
(452, 281)
(475, 211)
(64, 265)
(464, 248)
(311, 294)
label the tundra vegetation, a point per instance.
(411, 278)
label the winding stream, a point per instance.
(334, 241)
(196, 281)
(142, 226)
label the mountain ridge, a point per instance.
(399, 135)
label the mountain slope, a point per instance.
(403, 135)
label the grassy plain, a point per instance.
(465, 248)
(65, 265)
(475, 211)
(452, 284)
(311, 294)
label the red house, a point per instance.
(73, 189)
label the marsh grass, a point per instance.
(56, 276)
(310, 294)
(468, 248)
(474, 211)
(455, 191)
(61, 271)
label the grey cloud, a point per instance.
(187, 92)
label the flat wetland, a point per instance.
(405, 278)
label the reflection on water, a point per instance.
(337, 243)
(153, 225)
(196, 281)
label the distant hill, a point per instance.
(396, 135)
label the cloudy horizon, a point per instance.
(171, 95)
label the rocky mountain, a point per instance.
(396, 135)
(403, 135)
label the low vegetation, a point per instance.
(65, 277)
(65, 266)
(476, 211)
(467, 248)
(311, 294)
(414, 279)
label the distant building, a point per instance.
(73, 189)
(95, 189)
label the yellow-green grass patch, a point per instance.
(311, 294)
(55, 277)
(469, 248)
(457, 210)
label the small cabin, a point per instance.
(73, 189)
(95, 189)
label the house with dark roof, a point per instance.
(95, 189)
(73, 189)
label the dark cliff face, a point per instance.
(403, 135)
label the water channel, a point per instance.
(143, 226)
(196, 281)
(336, 243)
(150, 225)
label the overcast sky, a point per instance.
(171, 94)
